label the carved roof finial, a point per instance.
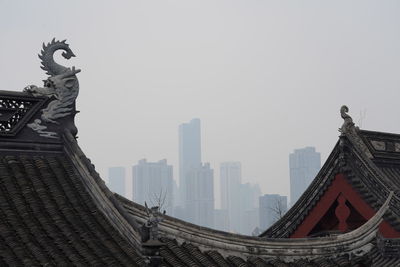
(343, 112)
(351, 131)
(61, 89)
(348, 121)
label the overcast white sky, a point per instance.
(264, 77)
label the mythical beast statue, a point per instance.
(61, 87)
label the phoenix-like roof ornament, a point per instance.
(61, 88)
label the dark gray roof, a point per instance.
(48, 216)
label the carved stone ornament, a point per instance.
(61, 88)
(16, 111)
(378, 145)
(349, 130)
(389, 247)
(155, 217)
(348, 123)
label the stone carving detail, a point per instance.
(379, 145)
(385, 146)
(11, 112)
(150, 236)
(348, 123)
(389, 247)
(62, 87)
(349, 130)
(397, 147)
(155, 217)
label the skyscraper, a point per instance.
(153, 183)
(230, 179)
(304, 165)
(116, 180)
(249, 211)
(189, 153)
(199, 200)
(272, 208)
(239, 200)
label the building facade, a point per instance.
(230, 185)
(199, 199)
(237, 199)
(249, 207)
(153, 183)
(189, 154)
(304, 164)
(117, 180)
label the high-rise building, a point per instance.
(153, 183)
(199, 200)
(116, 180)
(189, 153)
(271, 208)
(249, 196)
(239, 200)
(230, 183)
(249, 203)
(304, 165)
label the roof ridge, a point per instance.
(349, 130)
(117, 216)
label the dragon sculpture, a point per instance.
(62, 87)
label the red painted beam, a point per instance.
(340, 186)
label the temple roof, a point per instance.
(187, 244)
(371, 162)
(56, 210)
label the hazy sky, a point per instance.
(264, 77)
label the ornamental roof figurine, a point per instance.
(61, 88)
(56, 210)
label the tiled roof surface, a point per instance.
(48, 218)
(372, 177)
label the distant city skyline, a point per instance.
(243, 208)
(265, 77)
(154, 183)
